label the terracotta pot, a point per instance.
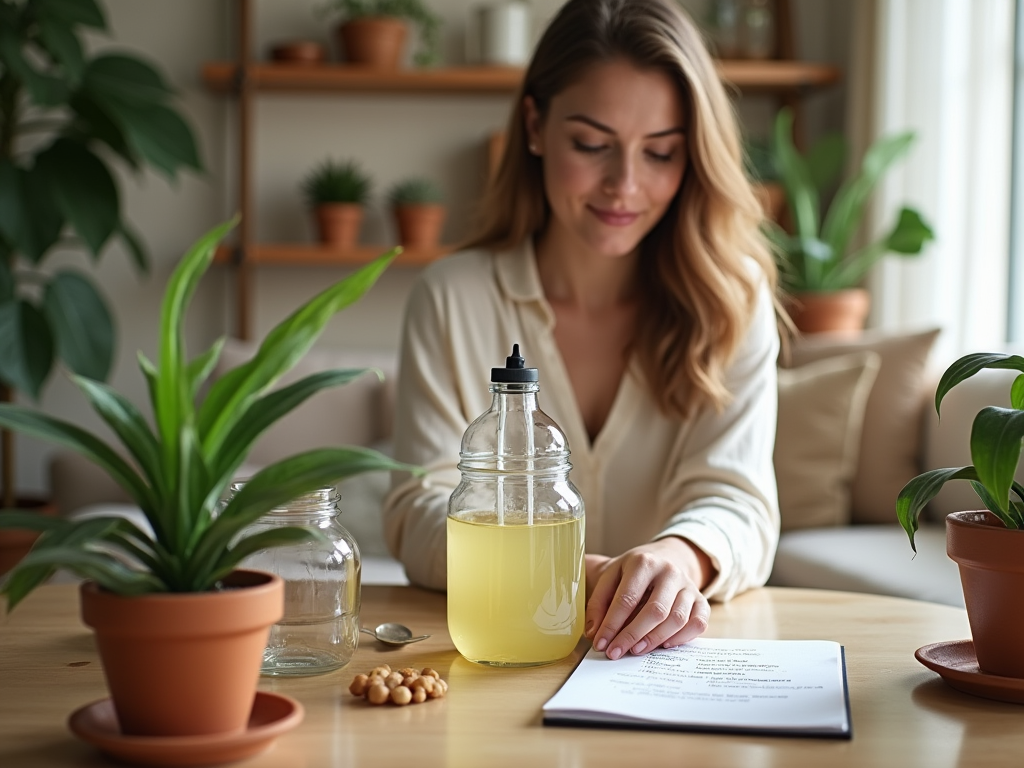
(338, 224)
(307, 52)
(373, 41)
(185, 664)
(838, 312)
(14, 543)
(991, 561)
(419, 226)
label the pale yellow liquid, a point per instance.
(516, 594)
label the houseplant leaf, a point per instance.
(969, 365)
(85, 12)
(26, 347)
(918, 492)
(81, 323)
(995, 450)
(801, 193)
(62, 44)
(29, 217)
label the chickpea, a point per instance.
(432, 672)
(409, 672)
(383, 670)
(359, 685)
(401, 695)
(425, 683)
(419, 696)
(393, 680)
(377, 694)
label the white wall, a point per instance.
(393, 137)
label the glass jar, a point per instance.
(757, 30)
(516, 590)
(319, 631)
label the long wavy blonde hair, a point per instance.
(699, 290)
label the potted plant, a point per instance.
(372, 32)
(68, 118)
(419, 213)
(987, 545)
(180, 631)
(337, 193)
(764, 177)
(818, 264)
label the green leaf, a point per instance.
(801, 194)
(171, 391)
(161, 135)
(6, 282)
(81, 323)
(44, 90)
(26, 347)
(29, 217)
(106, 571)
(825, 160)
(968, 365)
(992, 504)
(910, 233)
(94, 120)
(23, 520)
(995, 450)
(84, 12)
(135, 247)
(62, 44)
(277, 537)
(201, 368)
(230, 396)
(264, 412)
(277, 485)
(84, 190)
(42, 426)
(918, 492)
(1017, 393)
(128, 423)
(120, 78)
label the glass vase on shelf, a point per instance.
(724, 27)
(757, 29)
(319, 631)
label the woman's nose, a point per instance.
(621, 174)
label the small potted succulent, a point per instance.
(419, 212)
(987, 545)
(179, 628)
(818, 264)
(372, 33)
(337, 193)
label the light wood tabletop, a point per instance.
(903, 714)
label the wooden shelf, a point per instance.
(221, 77)
(315, 254)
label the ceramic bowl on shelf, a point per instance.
(305, 52)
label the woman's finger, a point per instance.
(677, 617)
(700, 616)
(656, 615)
(637, 574)
(600, 598)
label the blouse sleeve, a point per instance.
(721, 477)
(429, 425)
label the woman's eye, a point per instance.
(588, 148)
(658, 157)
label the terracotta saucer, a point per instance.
(957, 664)
(272, 715)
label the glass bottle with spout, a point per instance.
(516, 590)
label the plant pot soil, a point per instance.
(338, 224)
(185, 664)
(419, 226)
(15, 544)
(991, 561)
(837, 312)
(373, 41)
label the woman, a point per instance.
(620, 248)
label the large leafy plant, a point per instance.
(819, 255)
(996, 436)
(181, 466)
(415, 11)
(65, 119)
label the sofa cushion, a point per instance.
(890, 448)
(821, 412)
(869, 558)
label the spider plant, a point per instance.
(178, 469)
(996, 436)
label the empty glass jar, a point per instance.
(320, 627)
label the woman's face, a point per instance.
(614, 152)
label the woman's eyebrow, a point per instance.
(611, 131)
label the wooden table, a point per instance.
(903, 714)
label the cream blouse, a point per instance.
(709, 479)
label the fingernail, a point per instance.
(601, 644)
(614, 653)
(589, 629)
(639, 647)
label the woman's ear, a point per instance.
(532, 125)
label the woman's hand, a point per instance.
(647, 597)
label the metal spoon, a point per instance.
(393, 634)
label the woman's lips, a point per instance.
(615, 218)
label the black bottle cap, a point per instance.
(515, 370)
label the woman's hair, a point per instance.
(698, 285)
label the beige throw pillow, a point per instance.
(893, 421)
(821, 412)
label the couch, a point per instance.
(855, 423)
